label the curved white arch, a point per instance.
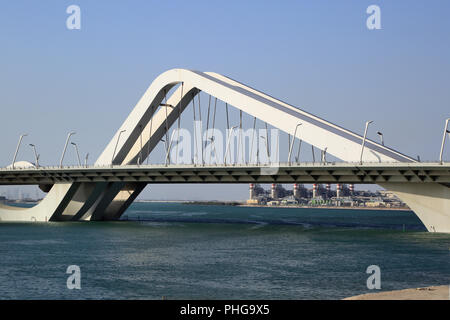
(339, 142)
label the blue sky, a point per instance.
(316, 55)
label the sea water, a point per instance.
(186, 251)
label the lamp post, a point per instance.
(86, 160)
(65, 148)
(115, 148)
(443, 140)
(78, 154)
(292, 144)
(381, 137)
(17, 149)
(364, 140)
(36, 156)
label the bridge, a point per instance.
(106, 189)
(339, 173)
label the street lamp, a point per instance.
(17, 149)
(381, 137)
(65, 147)
(364, 140)
(36, 156)
(165, 149)
(86, 160)
(78, 154)
(167, 105)
(443, 139)
(292, 144)
(115, 148)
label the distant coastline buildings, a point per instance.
(18, 196)
(318, 195)
(343, 195)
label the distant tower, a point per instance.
(338, 190)
(296, 192)
(252, 191)
(274, 193)
(314, 190)
(351, 188)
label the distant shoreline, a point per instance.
(240, 204)
(162, 201)
(327, 207)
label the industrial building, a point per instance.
(342, 195)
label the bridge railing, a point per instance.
(231, 165)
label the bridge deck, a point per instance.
(368, 173)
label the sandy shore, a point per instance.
(427, 293)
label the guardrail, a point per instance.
(234, 165)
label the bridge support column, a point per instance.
(122, 201)
(50, 208)
(429, 201)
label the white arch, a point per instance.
(339, 142)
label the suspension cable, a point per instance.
(150, 134)
(228, 129)
(141, 149)
(212, 136)
(241, 137)
(298, 152)
(200, 119)
(267, 141)
(195, 130)
(289, 144)
(179, 123)
(253, 138)
(277, 148)
(228, 120)
(207, 124)
(167, 126)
